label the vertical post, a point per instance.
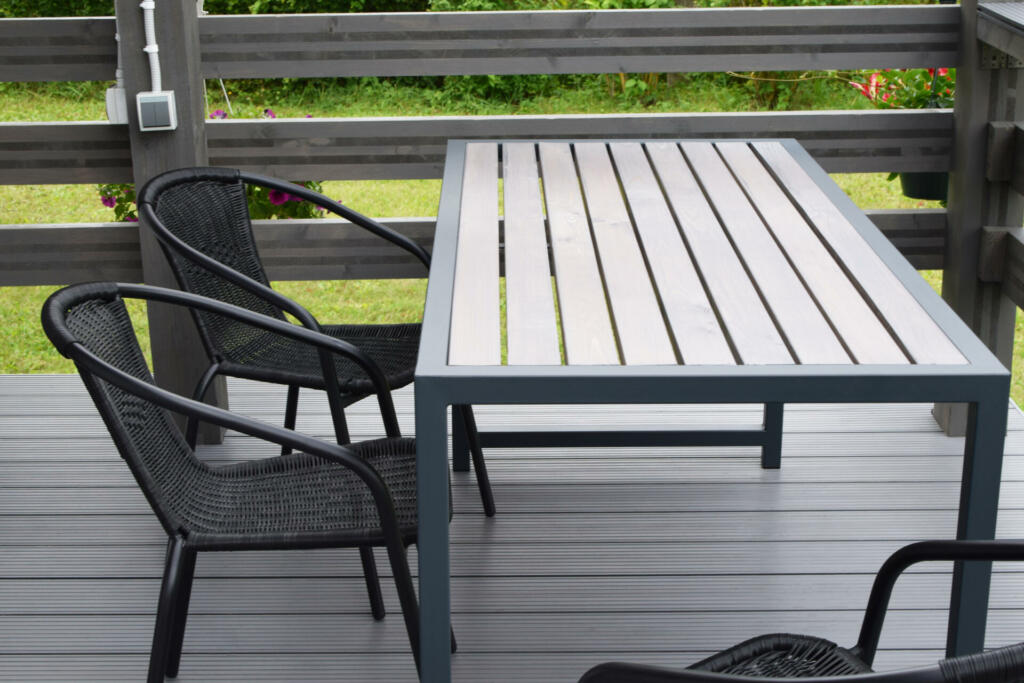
(983, 95)
(771, 450)
(178, 356)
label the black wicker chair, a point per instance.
(816, 660)
(202, 221)
(324, 495)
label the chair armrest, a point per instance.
(617, 672)
(924, 551)
(1002, 665)
(348, 214)
(325, 344)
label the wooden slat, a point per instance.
(920, 336)
(638, 321)
(530, 301)
(586, 325)
(414, 147)
(475, 332)
(751, 330)
(919, 234)
(65, 152)
(58, 49)
(855, 322)
(578, 41)
(806, 330)
(696, 330)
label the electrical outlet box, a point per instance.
(156, 110)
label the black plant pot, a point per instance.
(925, 185)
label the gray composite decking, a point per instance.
(654, 555)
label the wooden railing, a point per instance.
(523, 43)
(466, 43)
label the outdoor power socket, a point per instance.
(156, 110)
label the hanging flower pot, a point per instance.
(925, 185)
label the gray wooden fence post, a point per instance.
(178, 356)
(983, 94)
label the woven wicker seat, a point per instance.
(816, 660)
(322, 495)
(201, 217)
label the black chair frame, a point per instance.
(995, 666)
(174, 245)
(181, 557)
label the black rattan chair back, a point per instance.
(207, 210)
(94, 320)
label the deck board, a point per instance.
(654, 555)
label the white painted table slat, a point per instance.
(530, 300)
(476, 325)
(696, 330)
(923, 339)
(586, 325)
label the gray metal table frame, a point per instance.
(982, 382)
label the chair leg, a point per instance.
(291, 409)
(406, 596)
(165, 613)
(186, 571)
(192, 424)
(341, 427)
(372, 582)
(483, 482)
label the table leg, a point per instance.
(979, 504)
(771, 451)
(432, 486)
(460, 442)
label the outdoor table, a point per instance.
(689, 271)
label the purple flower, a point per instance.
(294, 198)
(131, 219)
(277, 197)
(309, 116)
(218, 114)
(108, 200)
(269, 114)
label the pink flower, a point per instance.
(943, 72)
(218, 114)
(108, 200)
(269, 114)
(277, 197)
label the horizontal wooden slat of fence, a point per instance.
(65, 152)
(57, 49)
(394, 147)
(676, 40)
(414, 147)
(318, 249)
(291, 250)
(444, 43)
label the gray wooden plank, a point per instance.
(475, 337)
(57, 49)
(577, 42)
(692, 320)
(856, 324)
(917, 332)
(752, 333)
(920, 235)
(586, 325)
(414, 147)
(639, 324)
(807, 333)
(530, 303)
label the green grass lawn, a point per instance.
(25, 349)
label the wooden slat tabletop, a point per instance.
(665, 253)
